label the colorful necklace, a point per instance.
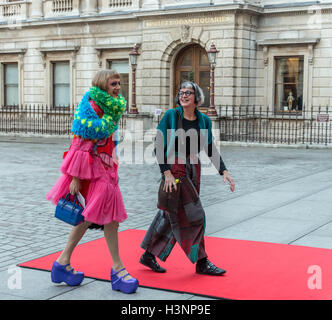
(110, 105)
(88, 125)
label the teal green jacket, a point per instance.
(169, 123)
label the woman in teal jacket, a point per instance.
(182, 133)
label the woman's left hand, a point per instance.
(228, 178)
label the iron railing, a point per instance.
(39, 119)
(245, 123)
(258, 124)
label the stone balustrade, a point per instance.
(56, 8)
(48, 9)
(119, 5)
(61, 6)
(14, 10)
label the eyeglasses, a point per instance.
(113, 84)
(185, 93)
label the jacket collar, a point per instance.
(199, 115)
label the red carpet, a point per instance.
(255, 270)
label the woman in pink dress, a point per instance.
(91, 168)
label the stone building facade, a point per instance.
(271, 53)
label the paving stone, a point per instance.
(272, 202)
(101, 290)
(32, 286)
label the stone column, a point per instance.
(36, 9)
(47, 8)
(76, 8)
(105, 7)
(89, 8)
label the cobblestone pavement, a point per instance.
(29, 167)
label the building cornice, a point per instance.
(298, 10)
(139, 14)
(177, 11)
(70, 49)
(105, 47)
(59, 49)
(102, 47)
(226, 9)
(13, 51)
(267, 43)
(283, 42)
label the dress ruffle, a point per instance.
(103, 199)
(80, 163)
(104, 202)
(60, 189)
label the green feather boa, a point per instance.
(88, 125)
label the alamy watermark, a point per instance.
(169, 149)
(15, 278)
(315, 280)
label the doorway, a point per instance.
(192, 64)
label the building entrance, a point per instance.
(192, 64)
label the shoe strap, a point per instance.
(213, 267)
(70, 270)
(116, 272)
(65, 266)
(119, 278)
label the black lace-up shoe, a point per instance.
(149, 260)
(207, 267)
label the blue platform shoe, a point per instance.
(125, 286)
(60, 274)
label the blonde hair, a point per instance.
(101, 78)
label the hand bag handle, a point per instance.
(67, 198)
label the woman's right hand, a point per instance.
(169, 182)
(75, 186)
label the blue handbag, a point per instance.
(68, 211)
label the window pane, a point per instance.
(61, 73)
(187, 59)
(204, 82)
(11, 95)
(11, 84)
(122, 67)
(61, 95)
(204, 60)
(280, 97)
(11, 73)
(124, 78)
(61, 84)
(186, 76)
(289, 83)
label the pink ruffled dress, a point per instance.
(96, 166)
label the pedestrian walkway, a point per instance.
(282, 196)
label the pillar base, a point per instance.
(133, 110)
(212, 112)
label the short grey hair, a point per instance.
(199, 94)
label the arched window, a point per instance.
(192, 64)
